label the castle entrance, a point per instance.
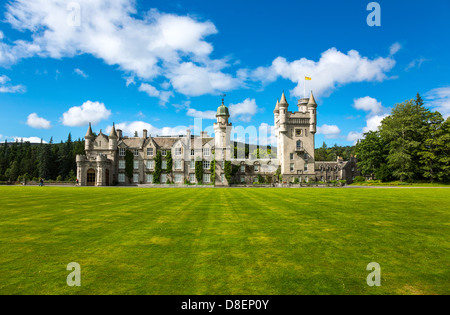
(91, 177)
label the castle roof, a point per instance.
(277, 107)
(223, 110)
(89, 133)
(113, 134)
(283, 101)
(312, 101)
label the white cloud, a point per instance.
(332, 70)
(78, 116)
(368, 104)
(354, 136)
(373, 123)
(439, 99)
(395, 48)
(29, 139)
(1, 35)
(210, 114)
(163, 96)
(244, 111)
(416, 63)
(5, 87)
(80, 73)
(329, 131)
(35, 121)
(129, 128)
(157, 44)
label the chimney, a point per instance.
(203, 134)
(144, 134)
(119, 133)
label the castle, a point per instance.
(105, 161)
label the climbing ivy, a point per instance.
(228, 170)
(169, 161)
(213, 171)
(199, 171)
(158, 170)
(129, 164)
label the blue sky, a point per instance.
(160, 64)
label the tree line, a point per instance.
(412, 144)
(23, 161)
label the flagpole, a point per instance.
(304, 86)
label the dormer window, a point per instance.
(122, 152)
(136, 152)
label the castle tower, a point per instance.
(312, 108)
(222, 131)
(295, 138)
(113, 138)
(89, 139)
(283, 108)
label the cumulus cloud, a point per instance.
(439, 99)
(354, 136)
(244, 111)
(163, 96)
(129, 128)
(37, 122)
(80, 73)
(157, 44)
(89, 112)
(29, 139)
(395, 48)
(334, 69)
(6, 87)
(368, 104)
(329, 131)
(210, 114)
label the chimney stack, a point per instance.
(144, 134)
(119, 133)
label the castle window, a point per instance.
(242, 179)
(256, 168)
(306, 179)
(122, 152)
(292, 156)
(150, 151)
(192, 178)
(163, 178)
(121, 178)
(164, 152)
(149, 179)
(299, 145)
(306, 167)
(192, 165)
(164, 165)
(206, 178)
(177, 151)
(305, 157)
(242, 168)
(178, 178)
(292, 167)
(135, 178)
(192, 152)
(136, 165)
(150, 164)
(206, 152)
(136, 152)
(222, 178)
(206, 165)
(178, 165)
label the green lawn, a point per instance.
(224, 241)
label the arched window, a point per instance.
(299, 144)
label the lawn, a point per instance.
(224, 241)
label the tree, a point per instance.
(404, 131)
(370, 153)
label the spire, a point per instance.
(113, 134)
(89, 133)
(312, 101)
(277, 107)
(283, 100)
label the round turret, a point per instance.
(223, 111)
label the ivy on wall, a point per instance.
(228, 170)
(199, 171)
(213, 171)
(158, 168)
(169, 161)
(129, 164)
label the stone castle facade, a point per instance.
(293, 160)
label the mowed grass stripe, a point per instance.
(224, 241)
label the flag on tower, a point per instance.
(308, 79)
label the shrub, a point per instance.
(359, 179)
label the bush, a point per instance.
(359, 179)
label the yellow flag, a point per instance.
(308, 79)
